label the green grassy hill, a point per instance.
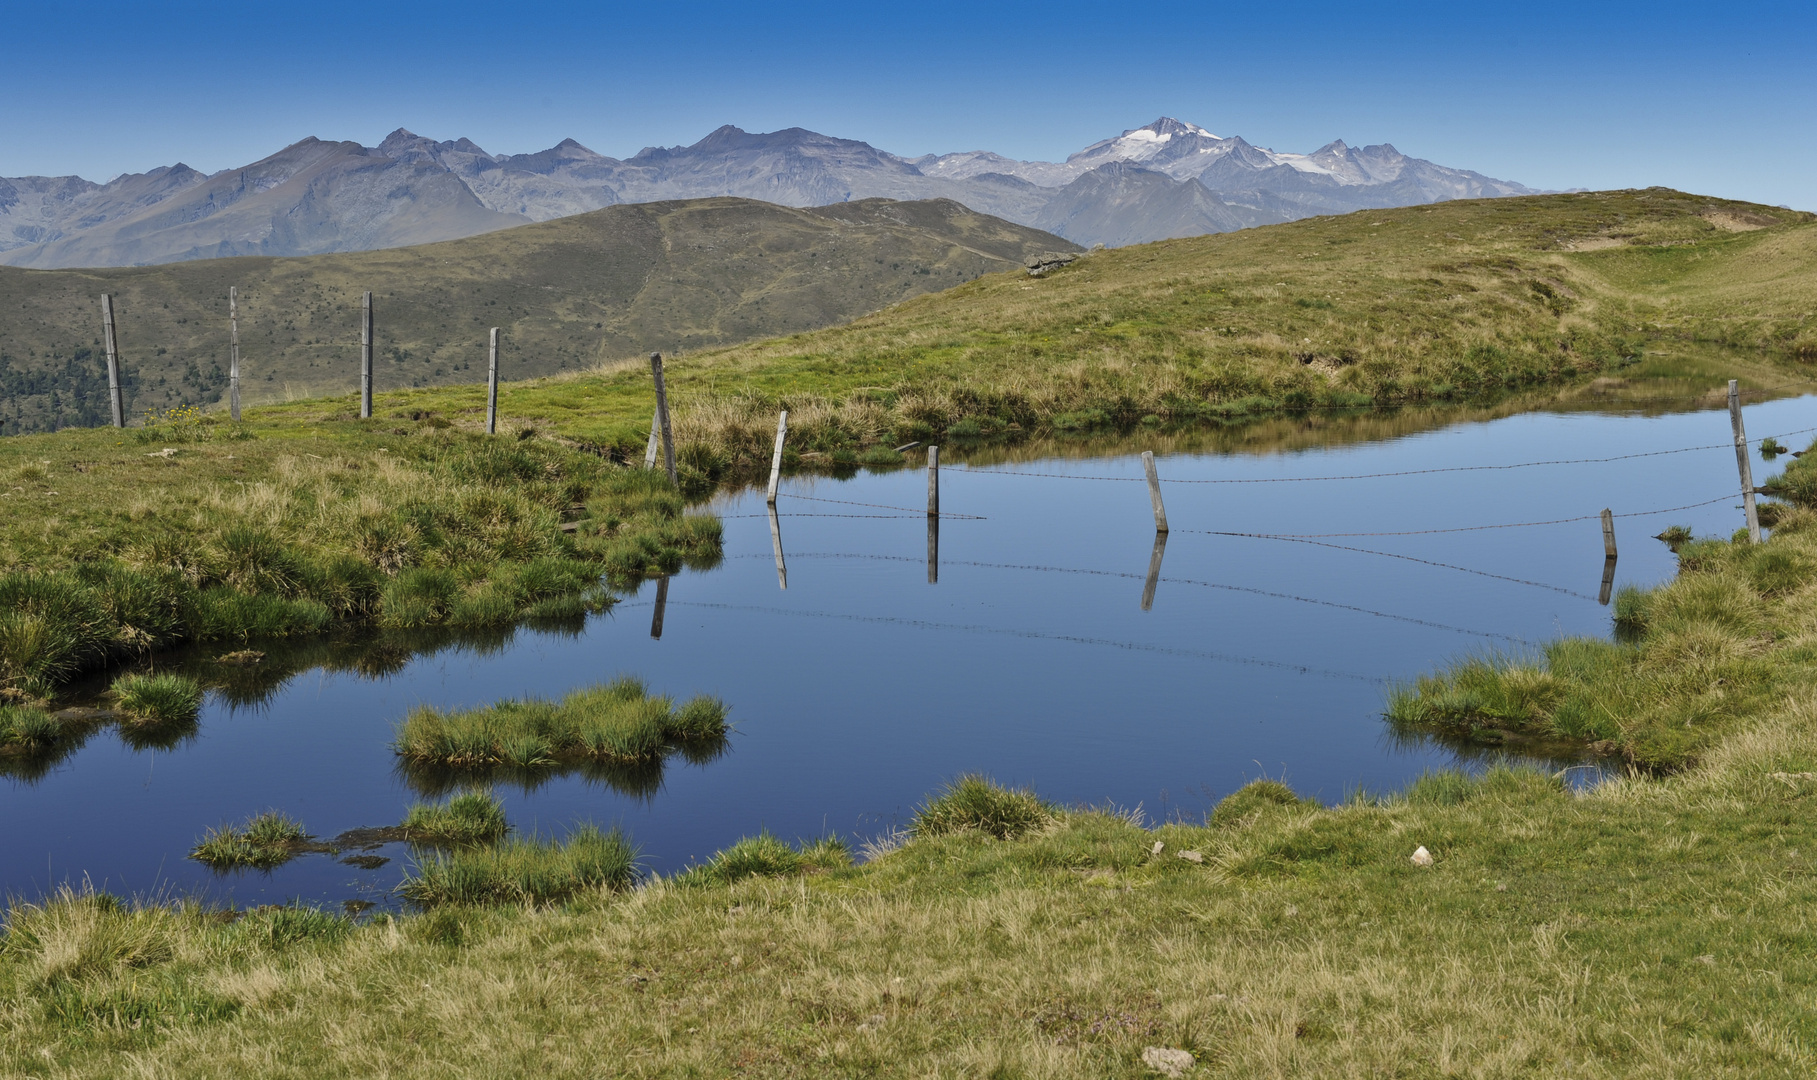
(1405, 306)
(618, 282)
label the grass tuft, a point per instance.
(158, 700)
(268, 840)
(977, 803)
(473, 817)
(525, 870)
(764, 855)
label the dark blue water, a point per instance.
(862, 687)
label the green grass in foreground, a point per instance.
(267, 840)
(618, 722)
(472, 817)
(764, 855)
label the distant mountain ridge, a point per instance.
(1167, 179)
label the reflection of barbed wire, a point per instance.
(874, 506)
(1459, 528)
(1381, 475)
(1164, 580)
(1039, 635)
(1426, 562)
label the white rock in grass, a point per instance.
(1422, 857)
(1167, 1061)
(1192, 856)
(1156, 850)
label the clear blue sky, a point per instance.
(1715, 98)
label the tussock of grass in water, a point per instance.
(268, 840)
(157, 700)
(616, 722)
(473, 817)
(764, 855)
(977, 803)
(28, 730)
(525, 870)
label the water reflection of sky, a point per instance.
(862, 687)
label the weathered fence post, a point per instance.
(933, 549)
(782, 571)
(655, 439)
(1741, 460)
(114, 394)
(782, 431)
(492, 385)
(366, 357)
(933, 481)
(233, 353)
(1154, 571)
(1608, 534)
(1154, 490)
(662, 416)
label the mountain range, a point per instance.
(1165, 180)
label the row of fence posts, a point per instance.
(116, 390)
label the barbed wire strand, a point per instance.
(1461, 528)
(1427, 562)
(875, 506)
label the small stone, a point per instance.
(1156, 850)
(1167, 1060)
(1422, 857)
(1192, 856)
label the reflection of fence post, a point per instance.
(114, 394)
(933, 481)
(662, 602)
(1741, 460)
(492, 385)
(933, 549)
(782, 572)
(662, 416)
(366, 357)
(782, 431)
(1154, 571)
(1608, 580)
(655, 439)
(1154, 490)
(233, 353)
(1608, 534)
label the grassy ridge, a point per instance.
(1417, 304)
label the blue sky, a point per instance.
(1720, 99)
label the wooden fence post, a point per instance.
(933, 481)
(662, 417)
(782, 431)
(1741, 460)
(366, 357)
(1154, 571)
(1154, 490)
(1608, 534)
(492, 385)
(233, 353)
(115, 395)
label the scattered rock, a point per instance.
(1422, 857)
(1156, 850)
(168, 451)
(1046, 261)
(1194, 857)
(1168, 1061)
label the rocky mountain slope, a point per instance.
(568, 294)
(1168, 179)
